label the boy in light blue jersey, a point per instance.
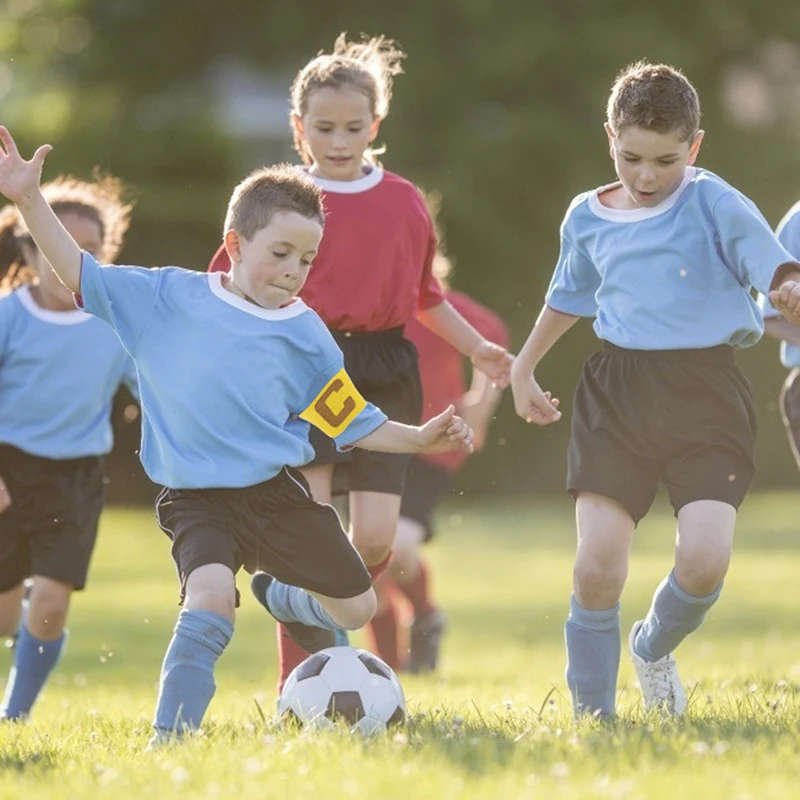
(233, 368)
(59, 371)
(789, 336)
(664, 260)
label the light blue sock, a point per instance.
(673, 615)
(293, 604)
(34, 660)
(187, 674)
(593, 649)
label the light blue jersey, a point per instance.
(228, 388)
(789, 233)
(675, 276)
(59, 371)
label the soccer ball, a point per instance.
(343, 683)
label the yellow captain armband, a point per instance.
(336, 406)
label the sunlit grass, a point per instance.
(494, 723)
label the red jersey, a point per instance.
(373, 269)
(441, 366)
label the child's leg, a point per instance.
(204, 628)
(291, 604)
(290, 652)
(702, 556)
(412, 576)
(39, 645)
(790, 411)
(383, 627)
(373, 525)
(605, 533)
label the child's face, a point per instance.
(272, 267)
(337, 128)
(88, 235)
(650, 165)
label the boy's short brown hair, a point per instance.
(268, 190)
(656, 97)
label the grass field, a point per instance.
(494, 723)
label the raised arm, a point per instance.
(530, 402)
(19, 182)
(491, 359)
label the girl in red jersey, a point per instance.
(430, 478)
(371, 278)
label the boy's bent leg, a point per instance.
(592, 633)
(204, 628)
(39, 646)
(702, 557)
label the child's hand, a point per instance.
(494, 362)
(531, 403)
(444, 433)
(19, 179)
(786, 299)
(5, 496)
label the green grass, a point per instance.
(494, 723)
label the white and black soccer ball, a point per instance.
(343, 683)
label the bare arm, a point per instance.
(489, 358)
(783, 330)
(478, 405)
(438, 435)
(19, 182)
(531, 403)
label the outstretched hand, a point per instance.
(19, 179)
(532, 404)
(445, 432)
(786, 299)
(493, 361)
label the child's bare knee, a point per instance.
(358, 611)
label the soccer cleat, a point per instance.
(425, 641)
(659, 680)
(310, 638)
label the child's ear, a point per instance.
(373, 129)
(233, 246)
(611, 137)
(296, 121)
(694, 148)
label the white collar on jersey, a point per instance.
(369, 180)
(294, 309)
(637, 214)
(71, 317)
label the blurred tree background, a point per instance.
(500, 109)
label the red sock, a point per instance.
(290, 654)
(378, 569)
(417, 591)
(383, 632)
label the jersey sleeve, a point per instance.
(748, 245)
(220, 261)
(121, 296)
(337, 408)
(575, 281)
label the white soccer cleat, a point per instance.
(659, 680)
